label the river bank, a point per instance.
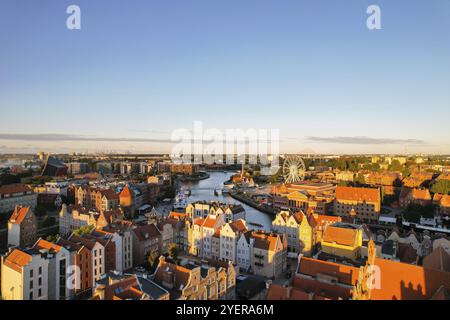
(265, 209)
(198, 177)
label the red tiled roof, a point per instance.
(181, 274)
(17, 188)
(345, 274)
(147, 232)
(278, 292)
(88, 243)
(238, 226)
(127, 288)
(322, 290)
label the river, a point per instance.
(204, 190)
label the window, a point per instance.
(31, 273)
(40, 270)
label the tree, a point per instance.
(152, 260)
(344, 183)
(441, 186)
(53, 238)
(173, 251)
(84, 230)
(406, 172)
(360, 179)
(414, 212)
(396, 166)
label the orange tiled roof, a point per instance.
(321, 220)
(210, 222)
(126, 192)
(199, 221)
(358, 194)
(419, 194)
(177, 215)
(17, 259)
(19, 214)
(445, 201)
(44, 244)
(265, 241)
(402, 281)
(342, 236)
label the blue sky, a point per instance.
(140, 69)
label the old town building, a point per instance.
(16, 195)
(365, 202)
(269, 254)
(191, 281)
(97, 199)
(22, 227)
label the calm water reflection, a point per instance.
(204, 190)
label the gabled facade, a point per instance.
(269, 254)
(193, 282)
(229, 236)
(244, 251)
(22, 227)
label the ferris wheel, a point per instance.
(293, 169)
